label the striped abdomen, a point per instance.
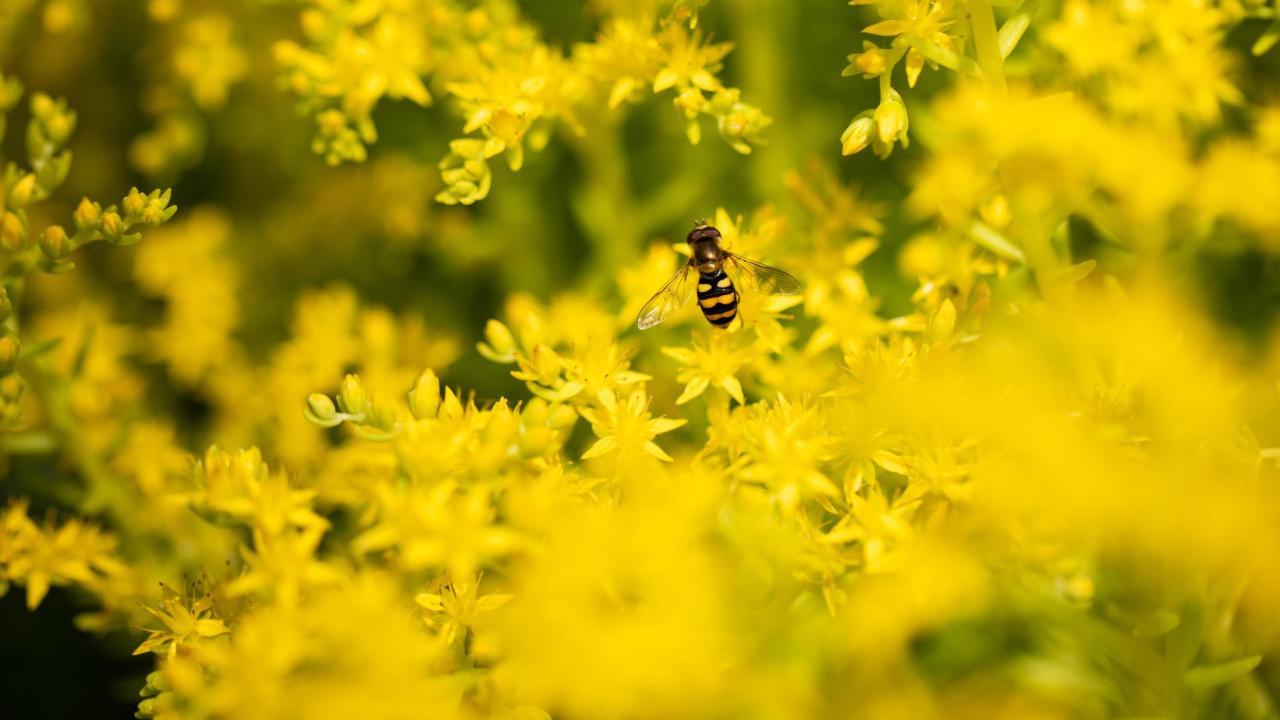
(717, 298)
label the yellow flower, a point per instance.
(687, 61)
(918, 21)
(187, 621)
(626, 427)
(240, 485)
(787, 449)
(442, 526)
(456, 605)
(52, 555)
(879, 525)
(283, 566)
(714, 359)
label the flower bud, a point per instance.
(12, 387)
(12, 234)
(10, 349)
(871, 61)
(156, 213)
(322, 407)
(546, 364)
(352, 397)
(156, 681)
(88, 215)
(42, 106)
(112, 226)
(23, 191)
(891, 118)
(562, 416)
(59, 126)
(499, 337)
(54, 242)
(424, 399)
(134, 203)
(857, 136)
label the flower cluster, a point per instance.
(998, 457)
(25, 248)
(509, 85)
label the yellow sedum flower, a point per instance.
(625, 427)
(456, 606)
(712, 361)
(187, 622)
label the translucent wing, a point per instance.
(670, 298)
(763, 278)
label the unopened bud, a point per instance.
(857, 136)
(42, 106)
(871, 61)
(12, 387)
(891, 118)
(23, 191)
(10, 349)
(352, 397)
(134, 203)
(59, 126)
(424, 399)
(322, 407)
(12, 234)
(88, 215)
(54, 242)
(112, 226)
(499, 337)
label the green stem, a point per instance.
(886, 77)
(1041, 257)
(986, 39)
(99, 483)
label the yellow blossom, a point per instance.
(714, 359)
(626, 427)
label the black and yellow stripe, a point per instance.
(717, 297)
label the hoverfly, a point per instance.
(717, 296)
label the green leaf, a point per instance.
(1157, 623)
(1267, 40)
(946, 58)
(82, 353)
(39, 348)
(995, 241)
(1076, 273)
(1013, 28)
(1182, 644)
(1203, 677)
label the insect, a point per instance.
(717, 295)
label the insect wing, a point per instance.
(764, 278)
(670, 298)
